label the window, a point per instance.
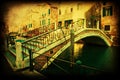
(107, 11)
(43, 15)
(78, 6)
(43, 22)
(40, 23)
(107, 27)
(71, 9)
(65, 10)
(104, 3)
(59, 11)
(59, 24)
(48, 11)
(48, 21)
(30, 25)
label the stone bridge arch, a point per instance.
(94, 36)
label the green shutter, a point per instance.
(104, 11)
(48, 21)
(48, 11)
(29, 25)
(42, 22)
(110, 10)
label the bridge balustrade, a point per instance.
(47, 38)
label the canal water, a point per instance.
(89, 59)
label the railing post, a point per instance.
(97, 24)
(19, 55)
(31, 59)
(72, 47)
(84, 24)
(47, 60)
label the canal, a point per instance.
(89, 59)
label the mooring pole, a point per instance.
(72, 47)
(47, 61)
(31, 59)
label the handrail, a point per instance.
(48, 32)
(49, 36)
(38, 36)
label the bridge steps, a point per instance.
(11, 58)
(44, 59)
(11, 53)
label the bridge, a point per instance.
(49, 45)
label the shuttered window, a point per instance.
(48, 21)
(107, 11)
(48, 11)
(30, 25)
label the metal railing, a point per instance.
(47, 38)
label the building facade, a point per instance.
(73, 12)
(109, 20)
(93, 16)
(48, 16)
(101, 15)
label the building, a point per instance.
(73, 12)
(48, 16)
(109, 20)
(93, 16)
(104, 16)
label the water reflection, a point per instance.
(78, 49)
(99, 57)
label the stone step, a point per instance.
(11, 58)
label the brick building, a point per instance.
(109, 20)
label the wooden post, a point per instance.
(31, 59)
(72, 47)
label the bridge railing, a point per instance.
(47, 38)
(42, 41)
(107, 33)
(54, 36)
